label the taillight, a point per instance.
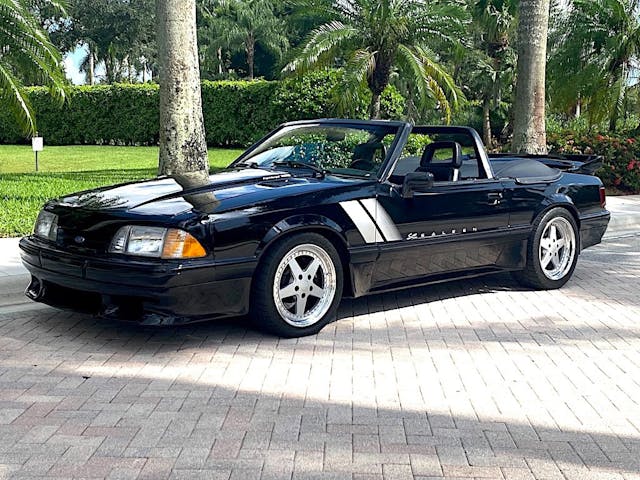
(603, 197)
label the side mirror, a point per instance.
(416, 182)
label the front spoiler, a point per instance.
(145, 291)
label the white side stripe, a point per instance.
(380, 229)
(383, 220)
(362, 220)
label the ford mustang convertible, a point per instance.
(315, 211)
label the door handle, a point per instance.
(495, 198)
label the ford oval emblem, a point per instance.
(79, 239)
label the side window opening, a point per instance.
(436, 153)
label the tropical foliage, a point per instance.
(376, 42)
(236, 113)
(598, 48)
(621, 169)
(118, 36)
(26, 53)
(486, 71)
(450, 60)
(242, 25)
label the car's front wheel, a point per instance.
(552, 252)
(297, 286)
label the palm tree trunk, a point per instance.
(219, 52)
(91, 73)
(377, 82)
(529, 130)
(374, 106)
(620, 82)
(486, 123)
(251, 53)
(183, 147)
(108, 71)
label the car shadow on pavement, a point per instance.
(420, 313)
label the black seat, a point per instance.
(442, 171)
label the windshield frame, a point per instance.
(392, 151)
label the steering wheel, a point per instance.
(361, 164)
(366, 164)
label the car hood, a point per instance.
(213, 194)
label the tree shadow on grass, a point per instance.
(89, 175)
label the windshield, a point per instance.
(339, 149)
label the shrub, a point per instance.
(236, 113)
(119, 114)
(621, 168)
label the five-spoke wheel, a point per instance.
(304, 285)
(298, 285)
(552, 251)
(557, 248)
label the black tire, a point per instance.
(533, 275)
(264, 313)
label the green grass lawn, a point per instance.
(69, 169)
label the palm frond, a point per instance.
(12, 93)
(347, 92)
(431, 80)
(321, 46)
(26, 51)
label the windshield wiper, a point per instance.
(245, 165)
(322, 172)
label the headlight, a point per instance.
(46, 225)
(156, 242)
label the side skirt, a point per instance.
(439, 278)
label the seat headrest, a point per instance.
(432, 148)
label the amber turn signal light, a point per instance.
(181, 244)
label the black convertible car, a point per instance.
(314, 211)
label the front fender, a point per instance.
(301, 223)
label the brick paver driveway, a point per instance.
(473, 379)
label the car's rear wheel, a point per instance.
(297, 286)
(552, 252)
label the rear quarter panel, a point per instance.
(580, 194)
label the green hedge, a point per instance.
(621, 169)
(236, 113)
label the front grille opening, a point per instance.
(123, 307)
(72, 299)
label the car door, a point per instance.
(459, 226)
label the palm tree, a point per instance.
(183, 147)
(598, 45)
(244, 24)
(26, 52)
(529, 127)
(374, 39)
(490, 64)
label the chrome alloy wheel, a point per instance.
(557, 248)
(304, 285)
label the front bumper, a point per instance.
(158, 292)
